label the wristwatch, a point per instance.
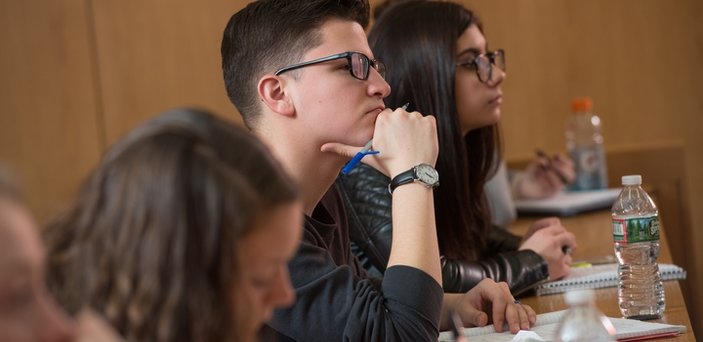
(423, 173)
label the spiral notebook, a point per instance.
(599, 276)
(545, 329)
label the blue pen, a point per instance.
(357, 158)
(350, 165)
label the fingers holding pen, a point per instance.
(559, 261)
(559, 169)
(555, 236)
(539, 180)
(554, 244)
(565, 167)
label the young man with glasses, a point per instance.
(305, 81)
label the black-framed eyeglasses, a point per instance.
(357, 63)
(483, 64)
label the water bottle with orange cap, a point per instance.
(584, 142)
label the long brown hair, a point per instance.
(417, 41)
(150, 240)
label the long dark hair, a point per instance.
(417, 41)
(150, 242)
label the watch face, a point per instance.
(427, 174)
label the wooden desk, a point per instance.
(594, 242)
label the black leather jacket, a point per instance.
(365, 194)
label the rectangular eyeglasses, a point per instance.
(357, 63)
(483, 64)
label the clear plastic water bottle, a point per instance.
(583, 321)
(584, 142)
(636, 237)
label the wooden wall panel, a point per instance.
(160, 54)
(49, 131)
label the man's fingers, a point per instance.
(512, 317)
(519, 317)
(475, 317)
(501, 299)
(499, 313)
(524, 314)
(341, 149)
(531, 314)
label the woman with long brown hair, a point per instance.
(182, 233)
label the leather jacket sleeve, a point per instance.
(365, 194)
(520, 269)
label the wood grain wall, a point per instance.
(159, 54)
(50, 128)
(77, 74)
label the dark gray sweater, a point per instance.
(336, 301)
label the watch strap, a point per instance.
(402, 178)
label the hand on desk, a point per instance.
(547, 237)
(544, 177)
(489, 302)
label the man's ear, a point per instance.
(272, 93)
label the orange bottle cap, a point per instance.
(583, 104)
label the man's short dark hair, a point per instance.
(269, 34)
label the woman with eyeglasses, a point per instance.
(438, 60)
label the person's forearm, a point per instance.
(414, 241)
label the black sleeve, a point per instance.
(520, 269)
(334, 304)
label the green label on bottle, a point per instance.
(636, 229)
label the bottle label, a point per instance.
(589, 163)
(636, 229)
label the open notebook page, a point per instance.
(548, 323)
